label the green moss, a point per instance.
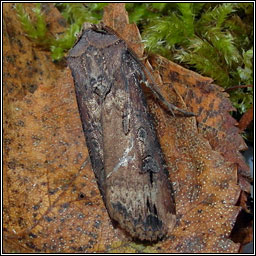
(34, 30)
(74, 13)
(214, 39)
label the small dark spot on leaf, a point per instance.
(194, 244)
(10, 59)
(174, 76)
(32, 235)
(12, 165)
(203, 85)
(199, 100)
(93, 235)
(224, 184)
(21, 221)
(209, 200)
(93, 193)
(88, 203)
(200, 111)
(32, 88)
(53, 191)
(81, 216)
(97, 224)
(36, 207)
(80, 249)
(19, 43)
(187, 222)
(20, 123)
(65, 205)
(30, 245)
(48, 219)
(81, 196)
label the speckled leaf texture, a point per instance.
(51, 199)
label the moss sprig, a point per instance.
(214, 39)
(36, 30)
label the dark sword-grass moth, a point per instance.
(125, 153)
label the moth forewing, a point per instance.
(125, 152)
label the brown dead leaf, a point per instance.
(116, 17)
(243, 229)
(212, 106)
(205, 186)
(246, 119)
(51, 191)
(51, 200)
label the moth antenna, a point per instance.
(155, 90)
(169, 105)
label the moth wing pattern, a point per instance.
(137, 185)
(81, 61)
(125, 153)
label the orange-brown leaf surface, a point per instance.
(51, 199)
(246, 119)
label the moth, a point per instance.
(125, 153)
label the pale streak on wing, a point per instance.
(125, 159)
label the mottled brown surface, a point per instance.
(246, 119)
(51, 200)
(212, 106)
(123, 146)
